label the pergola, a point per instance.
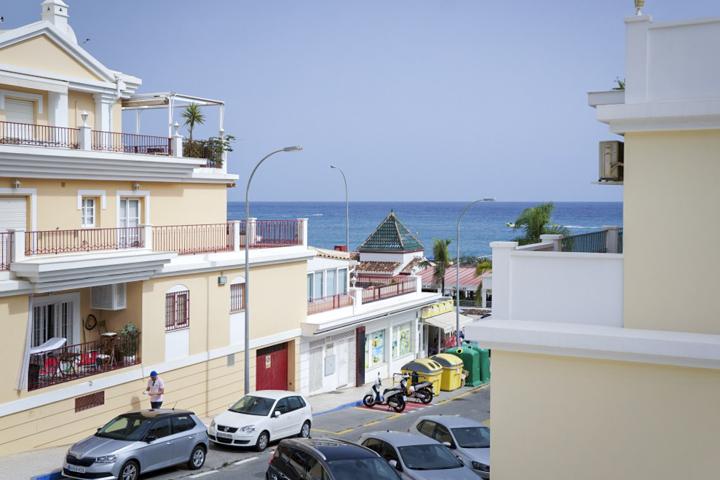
(170, 101)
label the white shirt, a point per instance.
(154, 389)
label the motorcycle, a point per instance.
(393, 397)
(423, 391)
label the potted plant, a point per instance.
(128, 343)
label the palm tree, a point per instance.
(442, 261)
(193, 116)
(536, 221)
(483, 265)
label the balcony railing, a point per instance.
(190, 239)
(6, 248)
(12, 133)
(83, 240)
(72, 362)
(130, 143)
(373, 294)
(318, 305)
(594, 242)
(275, 233)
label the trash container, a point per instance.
(452, 371)
(427, 371)
(484, 364)
(470, 357)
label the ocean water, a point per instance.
(482, 224)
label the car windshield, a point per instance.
(253, 406)
(130, 427)
(375, 468)
(428, 457)
(472, 437)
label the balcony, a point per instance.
(325, 304)
(376, 293)
(73, 362)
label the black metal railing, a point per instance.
(13, 133)
(130, 143)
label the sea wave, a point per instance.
(580, 226)
(317, 214)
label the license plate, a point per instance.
(75, 469)
(224, 435)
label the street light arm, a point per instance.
(347, 208)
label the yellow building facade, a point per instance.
(116, 255)
(623, 381)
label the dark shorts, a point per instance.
(155, 405)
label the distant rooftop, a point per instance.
(391, 236)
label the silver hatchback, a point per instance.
(139, 442)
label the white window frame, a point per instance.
(73, 298)
(92, 208)
(134, 194)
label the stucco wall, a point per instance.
(278, 298)
(78, 103)
(568, 418)
(170, 204)
(670, 237)
(41, 53)
(41, 118)
(13, 319)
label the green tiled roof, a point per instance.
(391, 236)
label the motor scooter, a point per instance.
(393, 397)
(423, 391)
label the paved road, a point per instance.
(226, 463)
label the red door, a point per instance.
(272, 368)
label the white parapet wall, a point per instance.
(548, 286)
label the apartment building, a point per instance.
(606, 347)
(116, 255)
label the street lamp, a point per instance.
(247, 262)
(457, 274)
(347, 210)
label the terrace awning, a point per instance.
(446, 321)
(169, 101)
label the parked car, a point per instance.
(417, 457)
(468, 439)
(139, 442)
(262, 417)
(326, 459)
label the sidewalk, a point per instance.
(39, 464)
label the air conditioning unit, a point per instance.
(611, 161)
(109, 297)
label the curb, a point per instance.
(356, 403)
(54, 475)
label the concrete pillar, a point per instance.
(58, 109)
(235, 225)
(636, 52)
(18, 253)
(251, 231)
(177, 141)
(103, 111)
(85, 136)
(612, 239)
(501, 258)
(148, 236)
(303, 230)
(553, 238)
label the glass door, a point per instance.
(53, 320)
(129, 235)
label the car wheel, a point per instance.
(197, 458)
(305, 430)
(129, 471)
(262, 441)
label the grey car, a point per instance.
(139, 442)
(417, 457)
(468, 439)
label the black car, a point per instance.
(326, 459)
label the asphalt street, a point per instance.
(226, 463)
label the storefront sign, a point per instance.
(437, 309)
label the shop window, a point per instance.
(402, 340)
(374, 349)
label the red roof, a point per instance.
(468, 280)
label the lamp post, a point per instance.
(347, 210)
(457, 273)
(247, 262)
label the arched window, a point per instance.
(177, 308)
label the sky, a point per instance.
(423, 100)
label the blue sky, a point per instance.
(414, 99)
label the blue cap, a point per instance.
(153, 373)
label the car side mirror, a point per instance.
(98, 430)
(449, 445)
(276, 414)
(394, 463)
(150, 438)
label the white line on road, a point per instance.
(198, 475)
(246, 460)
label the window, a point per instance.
(310, 295)
(318, 285)
(183, 423)
(331, 282)
(426, 428)
(237, 297)
(374, 348)
(402, 340)
(53, 319)
(177, 310)
(88, 212)
(160, 429)
(282, 406)
(442, 435)
(342, 280)
(295, 403)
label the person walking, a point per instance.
(156, 389)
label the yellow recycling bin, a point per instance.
(452, 370)
(427, 370)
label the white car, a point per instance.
(262, 417)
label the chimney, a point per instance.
(56, 12)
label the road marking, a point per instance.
(246, 460)
(198, 475)
(321, 430)
(343, 432)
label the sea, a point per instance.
(483, 223)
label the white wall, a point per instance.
(557, 286)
